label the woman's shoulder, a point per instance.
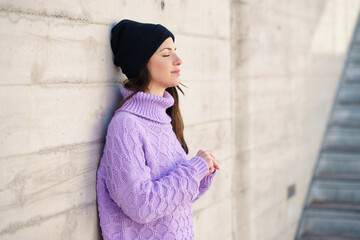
(121, 115)
(123, 119)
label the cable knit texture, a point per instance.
(145, 182)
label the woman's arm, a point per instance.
(205, 185)
(129, 181)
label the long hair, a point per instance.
(140, 83)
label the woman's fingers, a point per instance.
(216, 165)
(210, 160)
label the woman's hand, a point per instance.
(209, 159)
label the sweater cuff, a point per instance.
(208, 180)
(200, 165)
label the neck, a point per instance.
(154, 89)
(156, 92)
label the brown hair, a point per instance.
(140, 83)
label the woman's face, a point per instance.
(164, 68)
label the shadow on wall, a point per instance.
(112, 96)
(112, 90)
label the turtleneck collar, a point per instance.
(148, 105)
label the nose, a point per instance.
(177, 60)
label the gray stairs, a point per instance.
(332, 207)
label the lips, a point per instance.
(177, 71)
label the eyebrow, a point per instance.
(167, 49)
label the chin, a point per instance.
(174, 84)
(176, 81)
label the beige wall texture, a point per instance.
(260, 77)
(287, 61)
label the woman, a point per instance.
(145, 182)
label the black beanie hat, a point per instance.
(133, 43)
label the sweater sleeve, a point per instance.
(205, 184)
(129, 181)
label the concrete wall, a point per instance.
(255, 72)
(287, 59)
(58, 90)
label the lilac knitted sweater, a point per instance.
(145, 182)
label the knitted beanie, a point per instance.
(133, 43)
